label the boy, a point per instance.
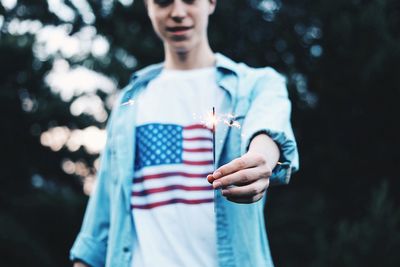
(154, 204)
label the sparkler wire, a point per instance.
(214, 163)
(213, 131)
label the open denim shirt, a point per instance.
(259, 101)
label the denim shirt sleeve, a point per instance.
(269, 113)
(91, 244)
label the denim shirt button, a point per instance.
(126, 249)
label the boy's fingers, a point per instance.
(235, 165)
(246, 191)
(239, 178)
(210, 178)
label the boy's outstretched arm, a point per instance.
(245, 179)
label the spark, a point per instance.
(232, 123)
(130, 102)
(209, 120)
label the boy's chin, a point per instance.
(183, 49)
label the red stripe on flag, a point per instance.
(140, 179)
(170, 188)
(197, 149)
(172, 201)
(197, 139)
(205, 162)
(196, 126)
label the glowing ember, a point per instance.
(209, 120)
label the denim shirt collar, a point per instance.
(227, 76)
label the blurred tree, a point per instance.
(341, 59)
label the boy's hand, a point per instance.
(243, 180)
(80, 264)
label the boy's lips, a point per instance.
(180, 30)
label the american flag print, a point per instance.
(171, 165)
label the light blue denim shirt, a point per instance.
(258, 98)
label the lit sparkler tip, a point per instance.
(210, 120)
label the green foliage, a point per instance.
(372, 240)
(37, 229)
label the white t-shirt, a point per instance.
(172, 202)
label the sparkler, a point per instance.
(213, 135)
(210, 121)
(214, 122)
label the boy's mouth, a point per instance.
(179, 30)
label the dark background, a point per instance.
(341, 59)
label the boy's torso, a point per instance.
(235, 223)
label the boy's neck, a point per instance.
(201, 57)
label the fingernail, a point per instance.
(217, 175)
(217, 185)
(224, 191)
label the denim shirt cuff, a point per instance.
(88, 250)
(282, 172)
